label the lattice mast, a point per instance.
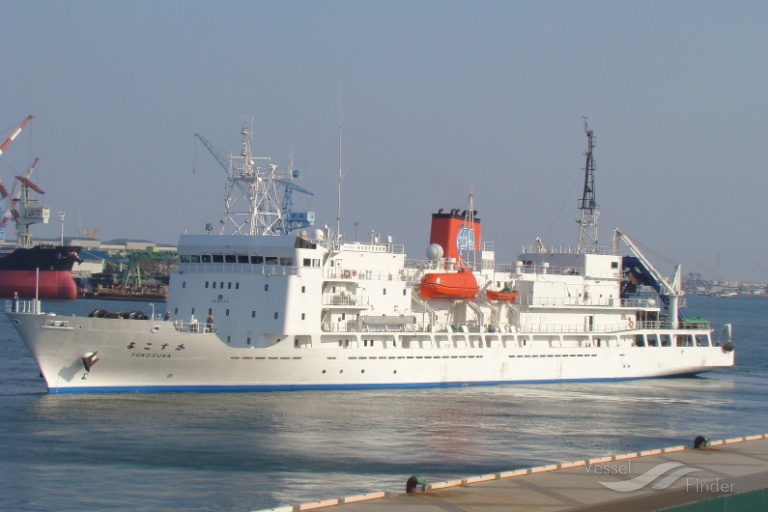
(253, 204)
(588, 204)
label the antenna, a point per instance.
(338, 211)
(587, 204)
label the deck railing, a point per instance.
(22, 306)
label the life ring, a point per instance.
(346, 273)
(631, 323)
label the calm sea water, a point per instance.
(242, 452)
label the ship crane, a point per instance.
(3, 190)
(673, 289)
(24, 210)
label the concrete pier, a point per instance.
(650, 480)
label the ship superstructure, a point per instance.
(312, 311)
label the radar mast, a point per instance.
(587, 204)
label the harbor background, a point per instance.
(240, 452)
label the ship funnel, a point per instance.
(455, 233)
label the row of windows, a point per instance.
(276, 314)
(553, 355)
(245, 259)
(664, 340)
(220, 284)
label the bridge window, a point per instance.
(242, 259)
(307, 262)
(286, 262)
(653, 340)
(218, 258)
(205, 258)
(683, 340)
(257, 260)
(702, 340)
(194, 259)
(639, 340)
(665, 340)
(271, 260)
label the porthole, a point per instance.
(362, 371)
(323, 371)
(341, 371)
(394, 371)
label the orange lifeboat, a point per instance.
(460, 285)
(508, 296)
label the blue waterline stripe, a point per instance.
(323, 387)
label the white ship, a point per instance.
(263, 309)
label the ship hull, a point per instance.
(114, 355)
(48, 284)
(44, 272)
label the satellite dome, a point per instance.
(434, 252)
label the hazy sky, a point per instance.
(437, 97)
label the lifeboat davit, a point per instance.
(460, 285)
(510, 296)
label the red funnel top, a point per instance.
(455, 233)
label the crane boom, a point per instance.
(216, 152)
(673, 290)
(15, 134)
